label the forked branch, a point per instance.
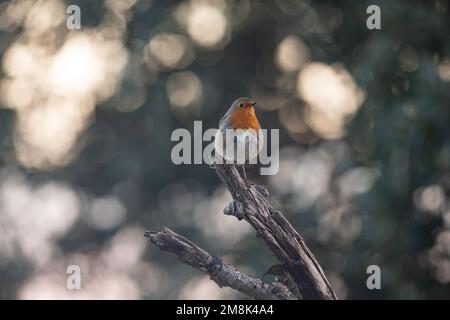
(298, 275)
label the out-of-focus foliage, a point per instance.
(86, 117)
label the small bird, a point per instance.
(241, 125)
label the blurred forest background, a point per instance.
(86, 117)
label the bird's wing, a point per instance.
(224, 119)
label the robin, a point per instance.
(239, 137)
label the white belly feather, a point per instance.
(246, 146)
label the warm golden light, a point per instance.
(331, 95)
(171, 50)
(291, 54)
(443, 70)
(206, 25)
(184, 89)
(77, 68)
(54, 92)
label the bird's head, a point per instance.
(242, 103)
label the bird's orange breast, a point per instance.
(244, 118)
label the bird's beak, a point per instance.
(250, 104)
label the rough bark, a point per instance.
(307, 279)
(298, 275)
(221, 273)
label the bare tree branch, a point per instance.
(297, 261)
(219, 272)
(298, 276)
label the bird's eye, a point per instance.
(241, 105)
